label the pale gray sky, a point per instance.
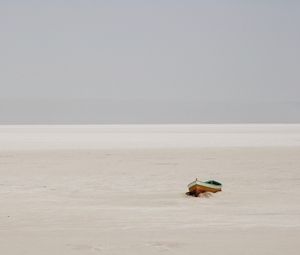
(149, 61)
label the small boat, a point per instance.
(196, 187)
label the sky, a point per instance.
(156, 61)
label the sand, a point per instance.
(121, 189)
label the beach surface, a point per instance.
(120, 189)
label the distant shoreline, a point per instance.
(14, 137)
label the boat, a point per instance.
(196, 187)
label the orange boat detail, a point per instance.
(196, 187)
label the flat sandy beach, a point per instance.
(121, 189)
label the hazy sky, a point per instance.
(149, 61)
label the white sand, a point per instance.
(120, 189)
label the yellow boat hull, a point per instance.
(198, 189)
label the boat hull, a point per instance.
(197, 189)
